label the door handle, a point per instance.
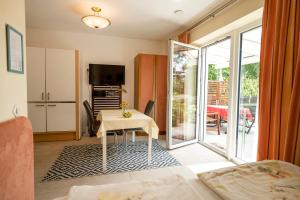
(39, 105)
(48, 96)
(42, 95)
(52, 105)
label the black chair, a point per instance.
(94, 125)
(148, 110)
(149, 107)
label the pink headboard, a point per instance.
(16, 160)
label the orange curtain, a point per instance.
(184, 37)
(279, 95)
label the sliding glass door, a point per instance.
(183, 93)
(216, 60)
(247, 115)
(213, 94)
(230, 118)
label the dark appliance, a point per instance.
(102, 74)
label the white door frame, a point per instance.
(203, 125)
(235, 86)
(170, 95)
(235, 36)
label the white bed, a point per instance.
(175, 188)
(260, 180)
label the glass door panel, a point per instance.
(247, 119)
(182, 97)
(217, 63)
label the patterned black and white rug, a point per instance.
(86, 160)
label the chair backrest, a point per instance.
(89, 112)
(149, 107)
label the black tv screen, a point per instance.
(100, 74)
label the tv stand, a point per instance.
(105, 97)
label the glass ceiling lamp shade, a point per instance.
(95, 21)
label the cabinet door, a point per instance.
(61, 117)
(36, 74)
(60, 75)
(146, 80)
(37, 116)
(161, 91)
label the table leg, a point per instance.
(149, 147)
(126, 140)
(133, 136)
(104, 151)
(218, 123)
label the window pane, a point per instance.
(248, 95)
(217, 59)
(184, 99)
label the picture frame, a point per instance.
(14, 50)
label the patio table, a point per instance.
(223, 111)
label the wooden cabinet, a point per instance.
(36, 74)
(161, 68)
(53, 92)
(144, 80)
(37, 115)
(60, 75)
(150, 83)
(61, 117)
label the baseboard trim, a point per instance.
(54, 136)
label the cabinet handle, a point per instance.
(48, 96)
(39, 105)
(53, 105)
(42, 95)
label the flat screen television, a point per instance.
(101, 74)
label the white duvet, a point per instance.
(264, 180)
(258, 181)
(169, 188)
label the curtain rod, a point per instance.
(212, 14)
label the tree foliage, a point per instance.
(249, 77)
(249, 80)
(214, 73)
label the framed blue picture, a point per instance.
(14, 49)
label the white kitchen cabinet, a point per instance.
(36, 76)
(60, 75)
(37, 116)
(61, 117)
(51, 89)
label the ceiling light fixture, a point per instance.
(95, 21)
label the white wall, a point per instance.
(98, 49)
(13, 87)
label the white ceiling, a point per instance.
(145, 19)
